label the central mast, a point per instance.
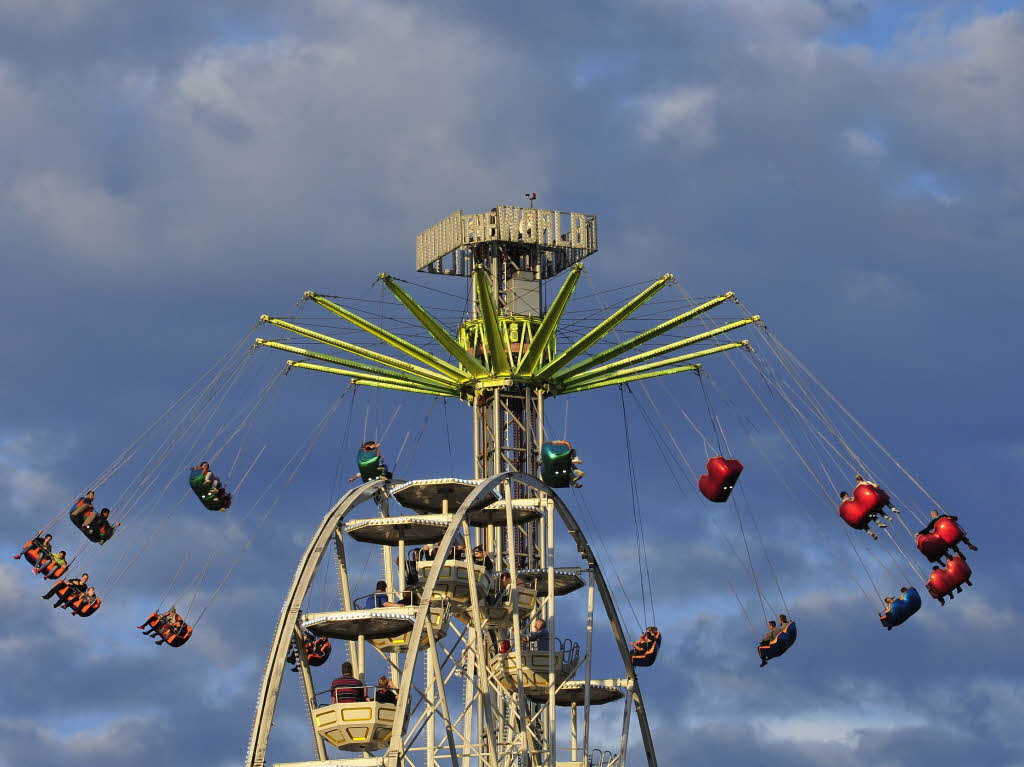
(509, 253)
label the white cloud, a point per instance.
(82, 219)
(876, 289)
(685, 115)
(863, 144)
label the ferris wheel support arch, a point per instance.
(274, 672)
(310, 561)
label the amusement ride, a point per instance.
(481, 643)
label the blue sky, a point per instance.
(854, 171)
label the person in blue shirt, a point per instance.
(539, 636)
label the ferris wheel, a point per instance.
(486, 699)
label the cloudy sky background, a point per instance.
(854, 171)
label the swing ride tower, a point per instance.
(504, 362)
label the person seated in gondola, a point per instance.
(856, 517)
(539, 639)
(99, 525)
(83, 508)
(899, 609)
(49, 564)
(41, 544)
(67, 590)
(930, 528)
(224, 497)
(174, 628)
(200, 477)
(346, 688)
(153, 623)
(318, 650)
(558, 464)
(208, 487)
(773, 631)
(381, 598)
(480, 558)
(426, 553)
(371, 466)
(83, 603)
(879, 492)
(645, 649)
(500, 592)
(386, 692)
(784, 636)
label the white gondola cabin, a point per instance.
(364, 726)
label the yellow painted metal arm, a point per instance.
(358, 377)
(642, 338)
(619, 369)
(615, 380)
(359, 351)
(351, 364)
(548, 327)
(390, 338)
(602, 329)
(440, 334)
(455, 394)
(661, 350)
(492, 333)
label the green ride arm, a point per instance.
(614, 380)
(645, 356)
(383, 359)
(402, 345)
(495, 343)
(440, 334)
(549, 325)
(602, 329)
(644, 337)
(617, 369)
(359, 366)
(363, 379)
